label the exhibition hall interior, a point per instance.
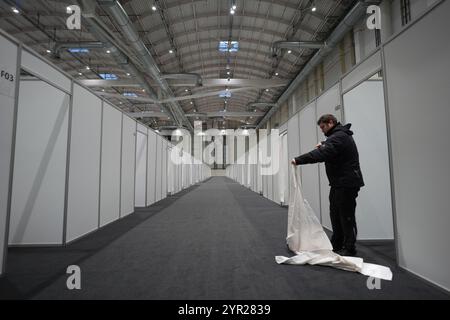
(224, 150)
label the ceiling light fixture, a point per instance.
(276, 73)
(48, 51)
(154, 8)
(80, 74)
(289, 51)
(232, 11)
(88, 68)
(15, 10)
(108, 51)
(128, 74)
(170, 51)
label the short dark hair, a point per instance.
(326, 119)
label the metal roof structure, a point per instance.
(182, 37)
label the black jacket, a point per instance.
(340, 154)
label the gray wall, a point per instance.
(8, 63)
(417, 70)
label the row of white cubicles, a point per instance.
(71, 162)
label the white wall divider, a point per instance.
(259, 179)
(8, 101)
(128, 165)
(416, 70)
(84, 169)
(164, 169)
(159, 151)
(270, 169)
(365, 109)
(284, 168)
(253, 158)
(308, 142)
(151, 167)
(293, 144)
(37, 210)
(110, 167)
(328, 103)
(275, 161)
(141, 166)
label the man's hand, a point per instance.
(294, 162)
(319, 145)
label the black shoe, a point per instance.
(347, 252)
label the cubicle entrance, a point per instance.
(364, 108)
(39, 175)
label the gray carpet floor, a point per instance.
(216, 240)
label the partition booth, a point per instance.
(397, 100)
(70, 161)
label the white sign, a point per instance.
(74, 21)
(374, 20)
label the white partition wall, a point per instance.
(284, 169)
(417, 69)
(158, 184)
(308, 141)
(293, 144)
(253, 158)
(37, 208)
(170, 170)
(151, 167)
(262, 158)
(365, 110)
(110, 167)
(164, 169)
(275, 165)
(84, 169)
(128, 165)
(141, 166)
(327, 103)
(8, 63)
(259, 180)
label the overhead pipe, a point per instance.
(354, 15)
(119, 57)
(119, 15)
(296, 45)
(185, 76)
(260, 105)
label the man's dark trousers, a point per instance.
(342, 214)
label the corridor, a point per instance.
(215, 240)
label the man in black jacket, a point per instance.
(340, 154)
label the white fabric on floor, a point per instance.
(306, 237)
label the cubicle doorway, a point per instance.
(37, 200)
(364, 108)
